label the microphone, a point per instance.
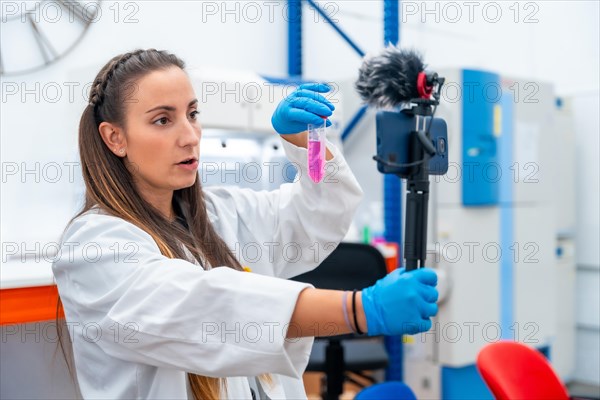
(394, 77)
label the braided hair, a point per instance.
(116, 81)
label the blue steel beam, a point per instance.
(353, 122)
(392, 198)
(337, 28)
(295, 38)
(391, 22)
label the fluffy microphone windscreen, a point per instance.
(390, 78)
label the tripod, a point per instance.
(417, 182)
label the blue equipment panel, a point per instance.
(481, 93)
(464, 383)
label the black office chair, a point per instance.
(350, 266)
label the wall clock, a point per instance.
(35, 34)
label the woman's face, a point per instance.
(162, 130)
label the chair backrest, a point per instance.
(515, 371)
(386, 391)
(350, 266)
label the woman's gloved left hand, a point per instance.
(303, 106)
(401, 303)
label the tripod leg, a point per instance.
(412, 234)
(417, 199)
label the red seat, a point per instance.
(514, 371)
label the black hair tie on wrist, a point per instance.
(354, 313)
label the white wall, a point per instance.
(561, 48)
(34, 127)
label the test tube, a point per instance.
(316, 151)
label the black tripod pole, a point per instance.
(417, 199)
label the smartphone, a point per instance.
(393, 142)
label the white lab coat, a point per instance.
(139, 321)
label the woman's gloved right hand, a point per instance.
(303, 106)
(401, 303)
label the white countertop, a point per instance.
(17, 273)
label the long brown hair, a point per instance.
(109, 182)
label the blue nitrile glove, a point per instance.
(302, 107)
(401, 303)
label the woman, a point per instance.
(157, 304)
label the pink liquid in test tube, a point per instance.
(316, 151)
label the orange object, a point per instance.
(30, 304)
(392, 262)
